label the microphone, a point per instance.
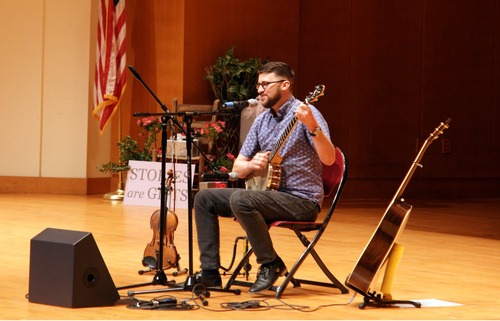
(134, 72)
(215, 176)
(237, 105)
(233, 177)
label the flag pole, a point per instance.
(110, 78)
(119, 194)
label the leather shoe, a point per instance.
(208, 280)
(268, 274)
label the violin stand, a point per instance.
(151, 262)
(372, 299)
(247, 266)
(175, 273)
(160, 277)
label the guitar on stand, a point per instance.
(383, 244)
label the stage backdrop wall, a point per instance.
(393, 71)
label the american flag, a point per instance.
(110, 76)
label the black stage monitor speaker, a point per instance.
(67, 269)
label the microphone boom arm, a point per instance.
(171, 115)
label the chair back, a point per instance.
(334, 174)
(334, 178)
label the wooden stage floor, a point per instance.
(452, 254)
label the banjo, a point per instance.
(270, 178)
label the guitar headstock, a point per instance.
(439, 130)
(319, 91)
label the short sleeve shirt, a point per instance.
(301, 166)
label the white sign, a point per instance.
(143, 185)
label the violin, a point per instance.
(152, 251)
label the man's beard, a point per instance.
(271, 101)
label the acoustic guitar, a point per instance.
(390, 227)
(270, 178)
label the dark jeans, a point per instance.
(254, 210)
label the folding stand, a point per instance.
(247, 266)
(149, 259)
(160, 277)
(373, 299)
(384, 300)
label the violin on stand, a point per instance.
(170, 255)
(154, 253)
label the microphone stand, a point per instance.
(160, 278)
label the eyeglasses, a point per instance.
(265, 84)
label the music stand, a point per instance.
(160, 277)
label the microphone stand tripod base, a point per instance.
(160, 278)
(190, 282)
(188, 285)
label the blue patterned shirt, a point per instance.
(301, 166)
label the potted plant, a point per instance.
(217, 137)
(130, 149)
(232, 79)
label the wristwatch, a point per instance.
(315, 132)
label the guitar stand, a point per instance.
(383, 301)
(247, 266)
(372, 299)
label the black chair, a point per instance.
(334, 178)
